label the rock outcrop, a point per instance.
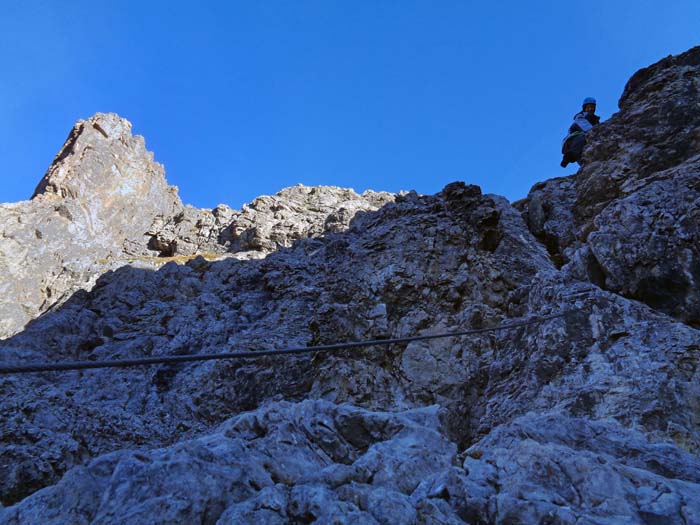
(104, 202)
(265, 225)
(629, 220)
(95, 203)
(592, 416)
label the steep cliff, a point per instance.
(590, 417)
(629, 220)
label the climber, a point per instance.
(584, 121)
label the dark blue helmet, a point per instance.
(589, 100)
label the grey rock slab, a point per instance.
(266, 224)
(557, 469)
(253, 468)
(421, 265)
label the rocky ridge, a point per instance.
(628, 220)
(104, 202)
(593, 417)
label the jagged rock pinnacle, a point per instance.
(97, 201)
(101, 156)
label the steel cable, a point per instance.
(146, 361)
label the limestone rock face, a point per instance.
(269, 223)
(266, 224)
(418, 264)
(104, 202)
(272, 465)
(94, 206)
(588, 415)
(629, 220)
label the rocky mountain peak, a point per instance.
(108, 177)
(94, 206)
(101, 156)
(104, 202)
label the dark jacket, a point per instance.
(584, 122)
(573, 143)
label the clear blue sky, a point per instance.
(239, 99)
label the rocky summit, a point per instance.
(581, 407)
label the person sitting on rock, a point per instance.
(576, 139)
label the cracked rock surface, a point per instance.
(104, 202)
(629, 220)
(94, 204)
(589, 416)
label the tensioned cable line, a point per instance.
(146, 361)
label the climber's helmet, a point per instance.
(589, 104)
